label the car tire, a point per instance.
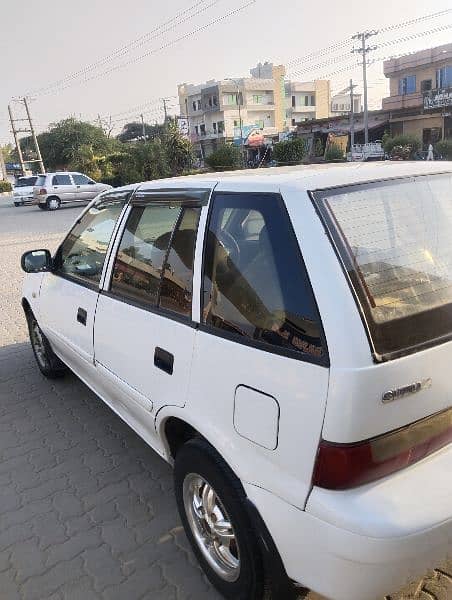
(53, 203)
(17, 203)
(208, 493)
(42, 206)
(48, 362)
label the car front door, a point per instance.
(69, 293)
(86, 188)
(63, 187)
(144, 333)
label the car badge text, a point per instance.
(406, 390)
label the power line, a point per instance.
(415, 21)
(137, 43)
(160, 48)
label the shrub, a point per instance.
(226, 157)
(401, 146)
(334, 152)
(290, 152)
(5, 186)
(444, 148)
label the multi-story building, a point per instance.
(219, 110)
(420, 98)
(341, 103)
(231, 109)
(306, 101)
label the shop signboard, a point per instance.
(438, 98)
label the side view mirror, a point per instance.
(36, 261)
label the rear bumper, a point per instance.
(368, 542)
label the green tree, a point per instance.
(401, 146)
(290, 152)
(61, 144)
(334, 152)
(226, 157)
(444, 148)
(132, 132)
(140, 162)
(179, 150)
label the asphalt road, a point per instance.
(86, 507)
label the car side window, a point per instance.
(255, 286)
(142, 251)
(82, 254)
(177, 280)
(80, 179)
(61, 180)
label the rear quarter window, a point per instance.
(395, 244)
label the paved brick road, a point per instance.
(86, 508)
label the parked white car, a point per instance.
(51, 190)
(23, 190)
(284, 338)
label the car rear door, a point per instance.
(144, 333)
(68, 295)
(260, 367)
(63, 187)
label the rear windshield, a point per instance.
(25, 182)
(41, 180)
(395, 241)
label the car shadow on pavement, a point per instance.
(86, 507)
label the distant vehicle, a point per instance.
(366, 152)
(23, 190)
(51, 190)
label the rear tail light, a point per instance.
(42, 192)
(343, 466)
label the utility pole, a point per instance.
(2, 166)
(352, 115)
(33, 135)
(16, 139)
(165, 110)
(364, 50)
(239, 103)
(143, 129)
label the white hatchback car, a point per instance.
(23, 190)
(284, 338)
(51, 190)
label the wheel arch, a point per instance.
(175, 431)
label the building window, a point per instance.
(258, 99)
(306, 100)
(294, 101)
(214, 125)
(444, 77)
(196, 130)
(407, 85)
(341, 107)
(210, 101)
(220, 126)
(203, 129)
(194, 105)
(231, 99)
(199, 104)
(334, 106)
(293, 122)
(260, 123)
(215, 101)
(356, 106)
(312, 100)
(426, 85)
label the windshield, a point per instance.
(395, 240)
(25, 182)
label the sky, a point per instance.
(109, 57)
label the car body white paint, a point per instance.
(352, 545)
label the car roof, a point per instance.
(306, 177)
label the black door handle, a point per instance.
(81, 316)
(164, 360)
